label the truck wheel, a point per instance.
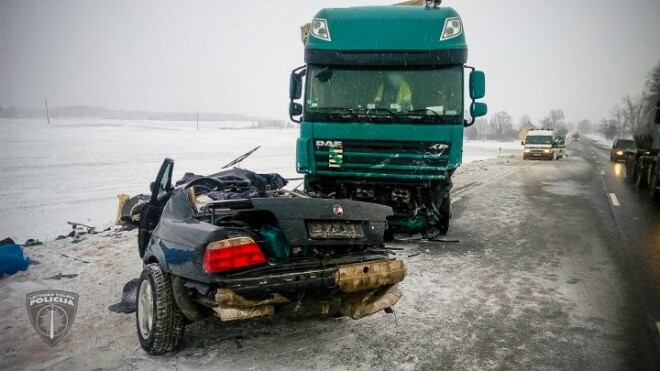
(640, 180)
(445, 215)
(160, 324)
(653, 191)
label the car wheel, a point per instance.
(160, 323)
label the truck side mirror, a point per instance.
(478, 109)
(295, 85)
(477, 84)
(295, 109)
(152, 187)
(522, 142)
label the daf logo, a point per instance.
(338, 210)
(439, 146)
(329, 143)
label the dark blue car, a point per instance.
(236, 245)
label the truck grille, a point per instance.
(426, 159)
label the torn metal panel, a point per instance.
(228, 298)
(234, 314)
(370, 275)
(360, 305)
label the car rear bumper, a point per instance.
(354, 290)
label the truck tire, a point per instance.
(629, 166)
(160, 324)
(653, 191)
(445, 215)
(640, 179)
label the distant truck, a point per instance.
(643, 161)
(576, 136)
(544, 145)
(380, 102)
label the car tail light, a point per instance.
(232, 253)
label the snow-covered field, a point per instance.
(73, 170)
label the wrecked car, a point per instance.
(236, 245)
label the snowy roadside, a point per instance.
(103, 263)
(599, 141)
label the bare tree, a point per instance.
(652, 92)
(609, 128)
(524, 121)
(617, 121)
(481, 126)
(631, 112)
(471, 133)
(553, 119)
(501, 125)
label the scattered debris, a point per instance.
(76, 259)
(33, 242)
(59, 276)
(128, 301)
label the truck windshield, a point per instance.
(539, 139)
(359, 94)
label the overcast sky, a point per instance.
(235, 57)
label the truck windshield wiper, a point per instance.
(417, 113)
(343, 111)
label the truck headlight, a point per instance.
(319, 29)
(527, 150)
(619, 153)
(546, 151)
(453, 27)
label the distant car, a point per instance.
(236, 245)
(618, 151)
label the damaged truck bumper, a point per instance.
(354, 290)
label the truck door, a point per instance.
(161, 189)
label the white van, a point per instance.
(543, 144)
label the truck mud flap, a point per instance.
(369, 275)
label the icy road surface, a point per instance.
(537, 281)
(73, 170)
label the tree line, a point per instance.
(500, 126)
(626, 116)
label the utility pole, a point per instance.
(198, 122)
(47, 116)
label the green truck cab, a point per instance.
(382, 114)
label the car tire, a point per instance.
(160, 324)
